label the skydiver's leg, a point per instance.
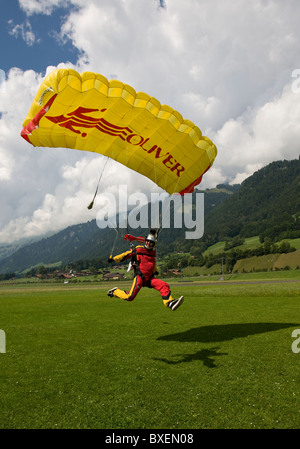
(163, 288)
(165, 292)
(137, 283)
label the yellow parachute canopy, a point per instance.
(88, 112)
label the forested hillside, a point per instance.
(267, 204)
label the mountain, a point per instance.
(266, 204)
(6, 249)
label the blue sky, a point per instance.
(232, 67)
(31, 42)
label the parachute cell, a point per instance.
(87, 112)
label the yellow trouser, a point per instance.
(166, 301)
(137, 284)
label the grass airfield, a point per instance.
(77, 359)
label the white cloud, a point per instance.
(24, 30)
(46, 7)
(271, 132)
(227, 66)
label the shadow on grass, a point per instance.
(224, 332)
(207, 356)
(217, 333)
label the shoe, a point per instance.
(173, 305)
(111, 292)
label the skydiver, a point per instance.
(144, 266)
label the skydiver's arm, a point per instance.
(119, 258)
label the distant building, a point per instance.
(113, 276)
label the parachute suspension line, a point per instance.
(160, 221)
(115, 241)
(168, 209)
(160, 217)
(102, 171)
(116, 237)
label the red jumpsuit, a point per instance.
(143, 261)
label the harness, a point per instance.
(134, 260)
(136, 268)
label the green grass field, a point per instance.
(77, 359)
(250, 243)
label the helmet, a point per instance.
(152, 239)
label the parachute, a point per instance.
(87, 112)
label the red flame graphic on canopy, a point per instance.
(78, 119)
